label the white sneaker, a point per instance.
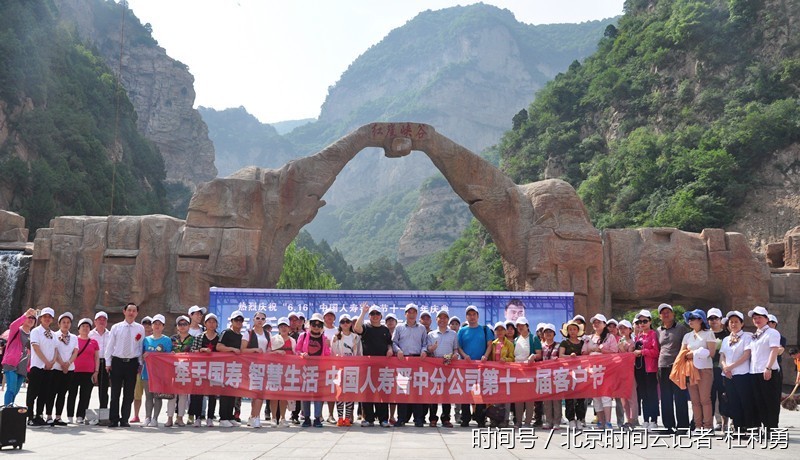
(255, 422)
(234, 423)
(153, 423)
(94, 422)
(196, 423)
(275, 423)
(209, 423)
(79, 420)
(286, 423)
(571, 425)
(70, 419)
(225, 424)
(147, 421)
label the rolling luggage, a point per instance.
(13, 423)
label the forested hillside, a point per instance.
(67, 130)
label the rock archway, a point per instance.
(238, 228)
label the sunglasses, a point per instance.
(642, 321)
(345, 321)
(238, 319)
(146, 323)
(258, 318)
(316, 324)
(183, 323)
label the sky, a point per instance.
(278, 58)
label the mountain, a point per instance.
(241, 140)
(286, 126)
(465, 70)
(688, 115)
(69, 143)
(160, 88)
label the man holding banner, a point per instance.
(376, 341)
(473, 340)
(409, 340)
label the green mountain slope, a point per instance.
(60, 107)
(667, 122)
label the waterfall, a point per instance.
(13, 271)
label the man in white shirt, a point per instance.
(764, 348)
(40, 377)
(100, 334)
(123, 356)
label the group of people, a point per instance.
(708, 360)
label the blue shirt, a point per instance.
(149, 345)
(411, 340)
(473, 340)
(448, 342)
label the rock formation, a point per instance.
(160, 88)
(238, 227)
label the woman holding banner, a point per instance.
(524, 350)
(257, 341)
(571, 347)
(345, 343)
(602, 341)
(647, 350)
(282, 344)
(205, 343)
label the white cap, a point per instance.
(522, 320)
(160, 317)
(317, 317)
(549, 327)
(293, 315)
(499, 324)
(66, 314)
(426, 313)
(180, 318)
(195, 308)
(329, 312)
(456, 319)
(442, 312)
(47, 311)
(410, 306)
(147, 318)
(85, 321)
(540, 326)
(472, 308)
(714, 312)
(283, 320)
(301, 315)
(626, 323)
(759, 310)
(580, 317)
(374, 308)
(390, 316)
(235, 314)
(772, 318)
(599, 317)
(735, 313)
(101, 314)
(613, 321)
(210, 316)
(663, 306)
(644, 313)
(345, 316)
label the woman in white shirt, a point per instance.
(522, 354)
(734, 361)
(701, 345)
(40, 374)
(345, 343)
(257, 341)
(66, 352)
(282, 344)
(765, 347)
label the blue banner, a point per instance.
(538, 307)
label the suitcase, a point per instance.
(13, 424)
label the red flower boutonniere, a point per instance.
(138, 337)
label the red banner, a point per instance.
(380, 379)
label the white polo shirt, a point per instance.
(330, 333)
(65, 350)
(100, 339)
(697, 341)
(760, 349)
(733, 352)
(46, 346)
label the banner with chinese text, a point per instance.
(381, 379)
(538, 307)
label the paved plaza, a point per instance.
(409, 443)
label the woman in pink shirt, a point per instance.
(647, 350)
(87, 365)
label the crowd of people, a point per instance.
(732, 378)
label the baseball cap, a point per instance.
(283, 320)
(66, 314)
(580, 317)
(663, 306)
(499, 324)
(101, 314)
(644, 313)
(180, 318)
(425, 313)
(626, 323)
(160, 317)
(442, 312)
(316, 317)
(738, 314)
(456, 319)
(410, 306)
(210, 316)
(522, 320)
(374, 309)
(599, 317)
(196, 308)
(772, 318)
(85, 321)
(235, 314)
(47, 311)
(714, 312)
(390, 316)
(472, 308)
(759, 310)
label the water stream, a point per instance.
(13, 271)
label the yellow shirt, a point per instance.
(506, 350)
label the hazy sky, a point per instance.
(278, 58)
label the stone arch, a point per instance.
(542, 230)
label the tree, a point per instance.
(301, 270)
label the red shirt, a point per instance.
(85, 360)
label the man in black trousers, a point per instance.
(123, 357)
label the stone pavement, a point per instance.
(88, 442)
